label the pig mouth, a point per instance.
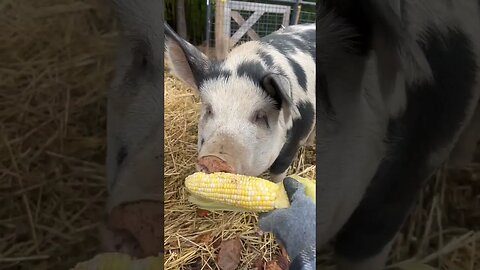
(211, 164)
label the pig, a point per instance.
(258, 103)
(398, 83)
(133, 219)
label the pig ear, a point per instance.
(187, 62)
(140, 55)
(278, 87)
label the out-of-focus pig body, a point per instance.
(398, 84)
(258, 102)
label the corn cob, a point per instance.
(233, 192)
(118, 261)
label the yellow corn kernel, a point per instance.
(233, 192)
(244, 192)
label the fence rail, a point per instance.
(235, 22)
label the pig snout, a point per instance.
(139, 224)
(211, 164)
(221, 153)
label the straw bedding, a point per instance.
(191, 239)
(56, 64)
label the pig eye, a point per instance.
(208, 110)
(261, 118)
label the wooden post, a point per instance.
(221, 46)
(297, 15)
(286, 18)
(181, 22)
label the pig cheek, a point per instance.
(264, 151)
(251, 159)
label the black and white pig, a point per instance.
(134, 214)
(258, 104)
(398, 82)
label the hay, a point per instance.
(56, 66)
(191, 240)
(444, 228)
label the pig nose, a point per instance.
(211, 164)
(141, 225)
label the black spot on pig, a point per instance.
(253, 70)
(304, 46)
(215, 72)
(299, 131)
(309, 41)
(299, 73)
(121, 155)
(266, 58)
(434, 114)
(308, 35)
(279, 43)
(286, 45)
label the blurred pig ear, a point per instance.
(278, 87)
(140, 56)
(187, 62)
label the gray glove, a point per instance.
(294, 227)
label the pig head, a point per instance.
(257, 104)
(134, 214)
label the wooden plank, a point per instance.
(181, 20)
(270, 8)
(247, 25)
(244, 28)
(226, 21)
(239, 19)
(220, 44)
(286, 17)
(228, 8)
